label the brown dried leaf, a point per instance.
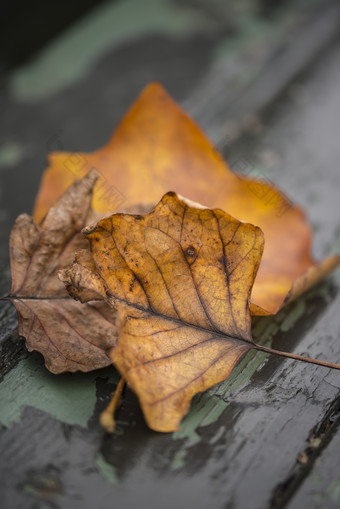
(71, 337)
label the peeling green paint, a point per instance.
(214, 412)
(209, 406)
(327, 490)
(70, 56)
(10, 154)
(107, 471)
(67, 58)
(333, 490)
(179, 459)
(69, 398)
(295, 314)
(206, 408)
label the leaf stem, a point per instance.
(107, 419)
(5, 298)
(298, 357)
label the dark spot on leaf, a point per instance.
(171, 194)
(190, 251)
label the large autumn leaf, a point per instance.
(180, 278)
(70, 336)
(157, 147)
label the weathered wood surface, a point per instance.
(321, 487)
(241, 444)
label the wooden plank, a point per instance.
(321, 488)
(241, 440)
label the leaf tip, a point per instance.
(88, 229)
(153, 88)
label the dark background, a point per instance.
(262, 79)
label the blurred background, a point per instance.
(261, 78)
(69, 71)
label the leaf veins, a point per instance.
(70, 336)
(180, 278)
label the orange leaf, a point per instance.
(180, 278)
(71, 337)
(157, 147)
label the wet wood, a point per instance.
(246, 443)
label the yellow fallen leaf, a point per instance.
(180, 279)
(157, 148)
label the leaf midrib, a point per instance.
(218, 333)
